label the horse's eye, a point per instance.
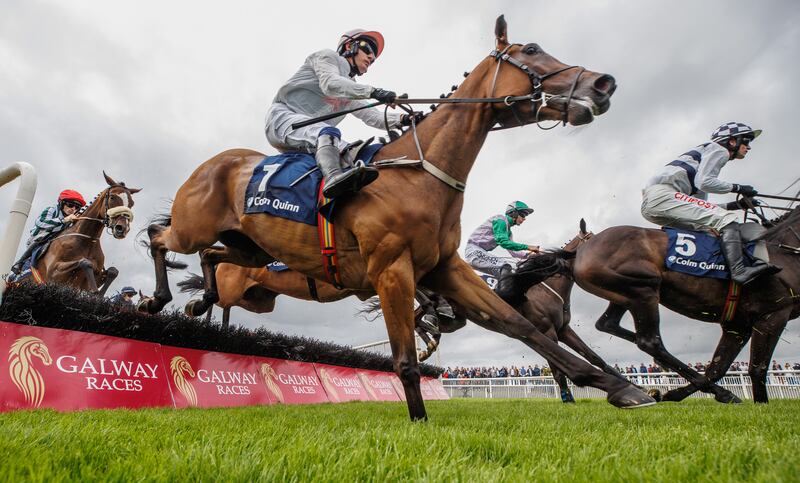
(532, 49)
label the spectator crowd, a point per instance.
(544, 370)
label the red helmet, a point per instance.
(375, 40)
(71, 195)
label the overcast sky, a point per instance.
(147, 90)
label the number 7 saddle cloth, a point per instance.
(699, 253)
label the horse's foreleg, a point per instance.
(226, 317)
(87, 267)
(648, 339)
(109, 275)
(766, 333)
(563, 384)
(574, 342)
(158, 250)
(455, 280)
(394, 283)
(729, 346)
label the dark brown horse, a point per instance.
(75, 257)
(625, 265)
(405, 227)
(547, 306)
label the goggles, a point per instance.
(72, 204)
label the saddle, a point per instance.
(699, 253)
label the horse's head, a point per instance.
(558, 91)
(119, 207)
(580, 238)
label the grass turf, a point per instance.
(465, 440)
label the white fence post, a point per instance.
(18, 215)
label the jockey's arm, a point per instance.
(374, 117)
(326, 65)
(707, 174)
(49, 219)
(503, 238)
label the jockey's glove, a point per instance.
(741, 204)
(744, 189)
(405, 119)
(383, 95)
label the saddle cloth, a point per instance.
(490, 281)
(699, 253)
(277, 266)
(286, 185)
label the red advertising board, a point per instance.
(212, 379)
(291, 382)
(378, 385)
(67, 370)
(436, 388)
(341, 383)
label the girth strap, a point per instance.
(327, 243)
(731, 301)
(312, 288)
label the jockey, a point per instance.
(677, 196)
(124, 297)
(494, 232)
(324, 84)
(52, 220)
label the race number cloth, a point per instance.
(277, 266)
(286, 185)
(697, 253)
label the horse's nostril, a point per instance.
(605, 84)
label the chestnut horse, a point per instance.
(75, 257)
(255, 290)
(625, 265)
(405, 227)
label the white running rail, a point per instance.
(20, 208)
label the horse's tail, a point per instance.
(158, 222)
(371, 309)
(192, 284)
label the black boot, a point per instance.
(731, 242)
(506, 284)
(17, 267)
(338, 182)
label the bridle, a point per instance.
(537, 94)
(109, 217)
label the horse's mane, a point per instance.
(781, 223)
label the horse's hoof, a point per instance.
(629, 398)
(655, 394)
(193, 307)
(727, 397)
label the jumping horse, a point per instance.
(75, 257)
(625, 265)
(404, 228)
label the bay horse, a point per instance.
(625, 265)
(75, 257)
(404, 228)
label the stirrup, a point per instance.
(350, 181)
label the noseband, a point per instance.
(537, 94)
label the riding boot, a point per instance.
(731, 242)
(338, 182)
(506, 284)
(17, 267)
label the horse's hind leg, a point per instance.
(158, 250)
(610, 320)
(563, 384)
(648, 339)
(209, 259)
(766, 333)
(730, 344)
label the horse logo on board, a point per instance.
(180, 368)
(270, 380)
(20, 367)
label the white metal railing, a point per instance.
(783, 384)
(20, 208)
